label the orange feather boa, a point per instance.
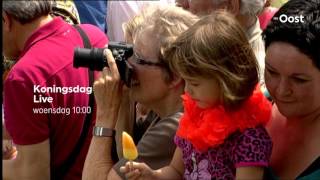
(209, 127)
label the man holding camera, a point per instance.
(43, 48)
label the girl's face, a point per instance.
(205, 91)
(292, 80)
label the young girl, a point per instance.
(221, 134)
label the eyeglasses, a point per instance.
(144, 62)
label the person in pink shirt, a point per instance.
(40, 118)
(266, 15)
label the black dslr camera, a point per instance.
(95, 60)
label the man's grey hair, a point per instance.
(247, 7)
(26, 11)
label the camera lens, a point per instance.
(91, 58)
(94, 59)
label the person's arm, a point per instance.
(32, 163)
(142, 171)
(98, 164)
(107, 92)
(254, 173)
(176, 168)
(251, 160)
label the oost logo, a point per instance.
(290, 19)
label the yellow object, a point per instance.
(129, 149)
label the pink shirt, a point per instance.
(47, 61)
(266, 16)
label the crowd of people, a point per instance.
(219, 89)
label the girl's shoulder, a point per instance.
(253, 146)
(258, 133)
(257, 136)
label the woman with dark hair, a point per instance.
(292, 77)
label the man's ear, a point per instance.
(6, 21)
(234, 6)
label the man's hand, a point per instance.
(9, 151)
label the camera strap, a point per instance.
(71, 159)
